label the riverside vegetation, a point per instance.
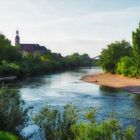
(56, 124)
(12, 114)
(119, 57)
(7, 136)
(122, 58)
(12, 62)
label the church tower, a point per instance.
(17, 39)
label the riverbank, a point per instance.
(115, 81)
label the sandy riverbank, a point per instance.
(116, 81)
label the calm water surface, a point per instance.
(64, 88)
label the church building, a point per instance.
(29, 48)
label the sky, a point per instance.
(69, 26)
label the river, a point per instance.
(63, 88)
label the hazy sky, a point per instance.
(67, 26)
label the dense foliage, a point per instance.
(121, 58)
(118, 57)
(7, 52)
(66, 125)
(7, 136)
(126, 67)
(136, 49)
(79, 60)
(110, 56)
(56, 125)
(12, 114)
(13, 62)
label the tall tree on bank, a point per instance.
(136, 48)
(7, 51)
(112, 54)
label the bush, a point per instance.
(49, 120)
(12, 113)
(126, 67)
(8, 69)
(67, 126)
(109, 129)
(112, 54)
(96, 131)
(57, 126)
(7, 136)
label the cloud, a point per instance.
(67, 26)
(107, 26)
(91, 47)
(91, 32)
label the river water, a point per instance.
(63, 88)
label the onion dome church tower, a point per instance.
(17, 39)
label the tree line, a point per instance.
(123, 58)
(13, 62)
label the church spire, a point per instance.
(17, 39)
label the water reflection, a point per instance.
(106, 89)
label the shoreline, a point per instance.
(115, 81)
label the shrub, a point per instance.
(69, 118)
(7, 136)
(112, 54)
(49, 120)
(109, 129)
(67, 126)
(12, 113)
(7, 69)
(126, 67)
(55, 125)
(129, 133)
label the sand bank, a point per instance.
(115, 81)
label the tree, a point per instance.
(77, 60)
(126, 67)
(7, 51)
(4, 41)
(14, 62)
(110, 56)
(136, 48)
(12, 114)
